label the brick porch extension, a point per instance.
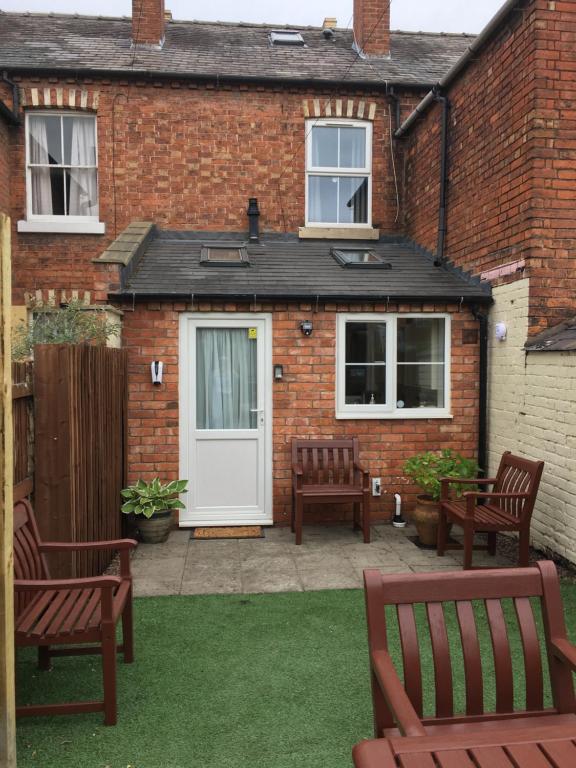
(331, 557)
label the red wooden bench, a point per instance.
(398, 707)
(70, 612)
(507, 507)
(329, 472)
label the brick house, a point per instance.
(140, 145)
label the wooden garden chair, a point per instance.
(397, 705)
(507, 507)
(70, 612)
(329, 472)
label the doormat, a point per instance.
(450, 543)
(232, 532)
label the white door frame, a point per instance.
(187, 398)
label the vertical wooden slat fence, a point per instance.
(23, 418)
(80, 436)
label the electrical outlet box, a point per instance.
(376, 486)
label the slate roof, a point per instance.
(561, 338)
(282, 266)
(55, 42)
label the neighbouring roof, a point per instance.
(55, 42)
(281, 266)
(561, 338)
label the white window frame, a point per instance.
(36, 222)
(312, 170)
(388, 410)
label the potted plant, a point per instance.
(426, 470)
(152, 504)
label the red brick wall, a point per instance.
(147, 21)
(4, 167)
(304, 402)
(512, 160)
(189, 158)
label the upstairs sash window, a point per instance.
(62, 166)
(338, 173)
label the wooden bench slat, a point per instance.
(531, 651)
(455, 758)
(44, 620)
(528, 754)
(502, 656)
(472, 658)
(27, 618)
(410, 655)
(441, 657)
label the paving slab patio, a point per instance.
(330, 557)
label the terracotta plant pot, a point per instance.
(425, 517)
(155, 529)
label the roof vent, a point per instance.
(286, 37)
(363, 258)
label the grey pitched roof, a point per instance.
(282, 266)
(202, 49)
(560, 338)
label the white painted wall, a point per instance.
(532, 412)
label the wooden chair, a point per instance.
(329, 472)
(398, 706)
(508, 507)
(70, 612)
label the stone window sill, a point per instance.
(63, 227)
(339, 233)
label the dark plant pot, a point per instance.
(426, 516)
(155, 529)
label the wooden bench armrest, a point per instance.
(396, 697)
(361, 468)
(89, 582)
(565, 651)
(446, 482)
(297, 469)
(79, 546)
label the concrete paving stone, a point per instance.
(249, 549)
(193, 569)
(432, 567)
(165, 568)
(400, 568)
(159, 551)
(272, 534)
(320, 559)
(375, 559)
(263, 560)
(320, 578)
(154, 587)
(256, 580)
(213, 552)
(211, 582)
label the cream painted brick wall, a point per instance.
(532, 412)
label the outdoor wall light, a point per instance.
(157, 369)
(278, 372)
(501, 331)
(306, 327)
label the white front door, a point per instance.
(226, 419)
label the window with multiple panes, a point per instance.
(338, 173)
(393, 366)
(61, 166)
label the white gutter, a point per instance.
(454, 71)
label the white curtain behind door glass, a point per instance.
(83, 200)
(226, 389)
(41, 186)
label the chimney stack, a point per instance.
(148, 20)
(372, 26)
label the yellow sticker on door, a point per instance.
(252, 333)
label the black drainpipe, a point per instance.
(14, 113)
(483, 391)
(445, 103)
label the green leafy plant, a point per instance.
(74, 323)
(426, 470)
(149, 498)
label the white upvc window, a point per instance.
(338, 173)
(392, 366)
(61, 173)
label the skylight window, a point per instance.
(286, 37)
(359, 257)
(229, 255)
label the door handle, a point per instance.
(256, 410)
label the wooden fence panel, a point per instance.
(80, 438)
(23, 418)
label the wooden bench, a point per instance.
(329, 472)
(70, 612)
(398, 707)
(507, 507)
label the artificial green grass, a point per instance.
(258, 681)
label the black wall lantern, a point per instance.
(306, 327)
